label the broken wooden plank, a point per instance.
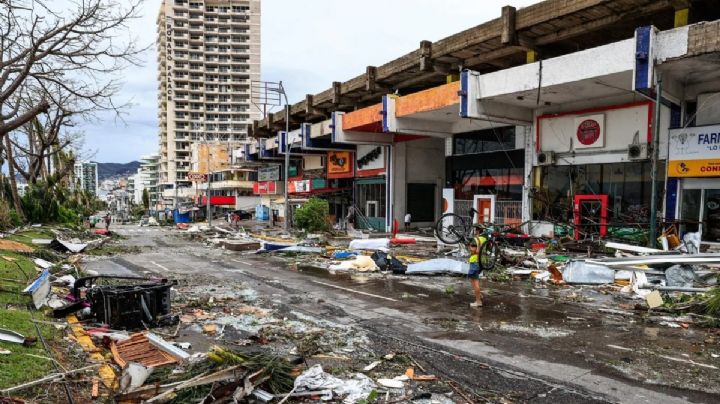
(47, 379)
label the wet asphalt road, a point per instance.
(557, 359)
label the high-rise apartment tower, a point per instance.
(208, 54)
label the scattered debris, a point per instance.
(66, 246)
(139, 349)
(586, 272)
(131, 306)
(654, 299)
(361, 263)
(39, 289)
(9, 245)
(439, 266)
(370, 244)
(316, 380)
(53, 378)
(16, 338)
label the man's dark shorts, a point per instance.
(475, 271)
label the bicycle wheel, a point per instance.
(451, 228)
(489, 255)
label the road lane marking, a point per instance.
(355, 291)
(160, 266)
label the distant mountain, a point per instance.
(109, 170)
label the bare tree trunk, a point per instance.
(13, 182)
(2, 176)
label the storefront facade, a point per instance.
(486, 170)
(593, 169)
(694, 180)
(369, 186)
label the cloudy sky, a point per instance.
(306, 44)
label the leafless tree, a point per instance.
(39, 142)
(59, 61)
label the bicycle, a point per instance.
(454, 229)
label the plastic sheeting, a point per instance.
(370, 244)
(588, 273)
(299, 249)
(361, 263)
(355, 389)
(680, 275)
(439, 266)
(692, 242)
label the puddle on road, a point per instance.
(446, 299)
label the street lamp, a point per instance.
(287, 162)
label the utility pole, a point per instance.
(654, 162)
(287, 164)
(209, 184)
(264, 94)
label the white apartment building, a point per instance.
(150, 166)
(136, 186)
(85, 177)
(208, 54)
(146, 178)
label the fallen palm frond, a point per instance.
(277, 369)
(712, 304)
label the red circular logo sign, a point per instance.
(588, 132)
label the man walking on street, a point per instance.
(107, 221)
(408, 219)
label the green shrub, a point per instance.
(312, 216)
(15, 218)
(50, 202)
(137, 212)
(66, 215)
